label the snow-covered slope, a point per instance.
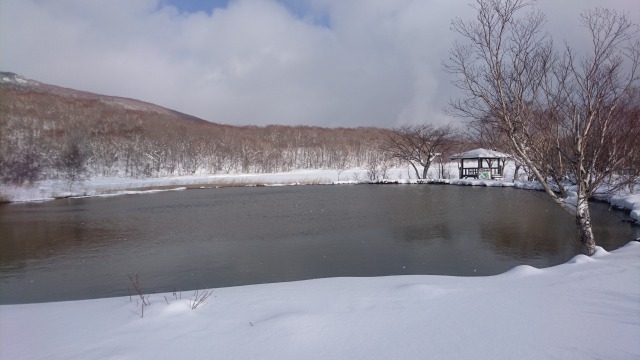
(18, 82)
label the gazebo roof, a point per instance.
(480, 153)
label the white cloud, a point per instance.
(328, 62)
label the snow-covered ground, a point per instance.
(588, 308)
(106, 186)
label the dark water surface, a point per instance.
(85, 248)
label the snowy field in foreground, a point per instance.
(588, 308)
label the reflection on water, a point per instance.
(84, 248)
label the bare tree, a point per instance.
(418, 145)
(72, 160)
(627, 139)
(373, 168)
(557, 110)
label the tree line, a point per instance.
(53, 135)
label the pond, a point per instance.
(181, 240)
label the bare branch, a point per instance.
(559, 114)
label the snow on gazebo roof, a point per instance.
(480, 153)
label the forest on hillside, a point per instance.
(53, 133)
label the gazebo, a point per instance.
(481, 164)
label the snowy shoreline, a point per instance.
(114, 186)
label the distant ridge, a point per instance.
(19, 83)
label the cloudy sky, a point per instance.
(312, 62)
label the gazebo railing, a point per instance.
(470, 172)
(481, 172)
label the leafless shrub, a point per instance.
(21, 168)
(199, 297)
(384, 169)
(373, 168)
(144, 300)
(72, 159)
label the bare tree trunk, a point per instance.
(516, 171)
(415, 169)
(585, 231)
(427, 166)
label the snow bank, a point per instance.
(109, 186)
(50, 189)
(480, 182)
(622, 199)
(629, 202)
(579, 310)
